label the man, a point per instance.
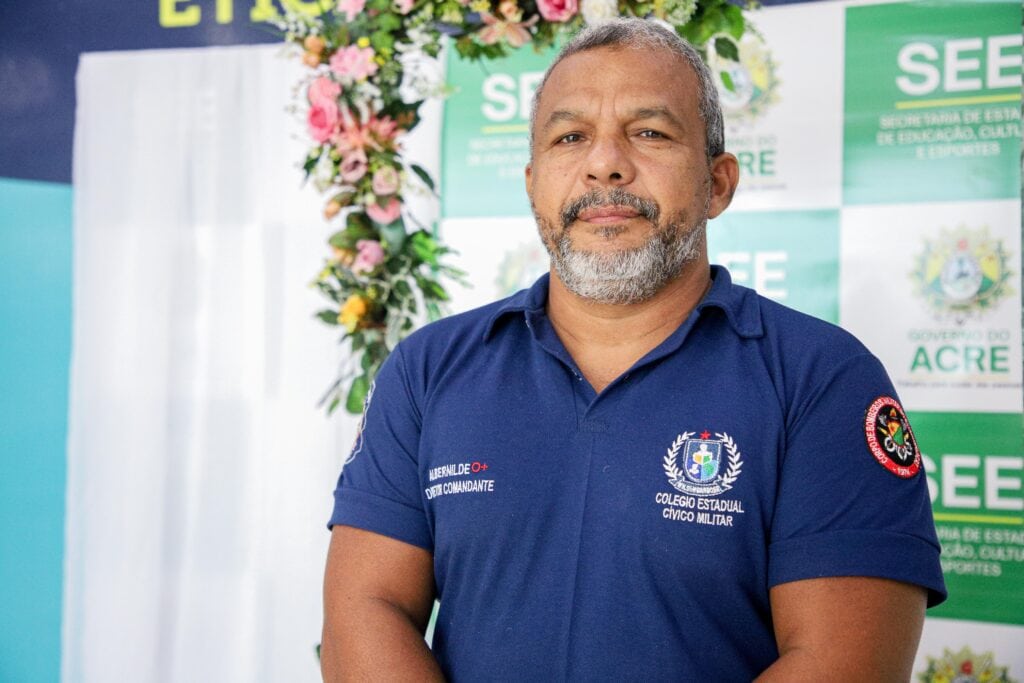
(635, 470)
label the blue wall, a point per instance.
(35, 350)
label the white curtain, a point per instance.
(199, 468)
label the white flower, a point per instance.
(679, 12)
(367, 98)
(323, 173)
(423, 78)
(417, 38)
(595, 11)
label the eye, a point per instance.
(651, 134)
(569, 138)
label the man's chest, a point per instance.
(666, 465)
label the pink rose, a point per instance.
(558, 10)
(353, 166)
(323, 90)
(403, 6)
(354, 63)
(387, 214)
(323, 120)
(385, 181)
(351, 8)
(370, 255)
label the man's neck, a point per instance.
(606, 339)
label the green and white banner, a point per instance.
(947, 322)
(932, 102)
(880, 154)
(485, 142)
(974, 463)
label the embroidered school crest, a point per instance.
(704, 466)
(890, 438)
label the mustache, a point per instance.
(647, 208)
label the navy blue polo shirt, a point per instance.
(634, 534)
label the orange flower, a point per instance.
(332, 209)
(352, 312)
(314, 44)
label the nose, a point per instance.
(609, 162)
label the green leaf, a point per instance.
(311, 162)
(339, 240)
(425, 247)
(357, 394)
(394, 234)
(335, 402)
(423, 175)
(737, 24)
(727, 81)
(329, 316)
(466, 47)
(357, 341)
(701, 28)
(454, 273)
(402, 288)
(433, 290)
(359, 227)
(727, 49)
(388, 21)
(382, 41)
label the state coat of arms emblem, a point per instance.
(963, 273)
(965, 666)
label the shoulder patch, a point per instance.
(890, 439)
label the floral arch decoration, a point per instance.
(363, 92)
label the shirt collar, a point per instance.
(739, 304)
(532, 300)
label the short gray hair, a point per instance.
(640, 34)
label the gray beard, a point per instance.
(629, 276)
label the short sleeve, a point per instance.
(842, 509)
(379, 486)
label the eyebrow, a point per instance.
(560, 115)
(657, 113)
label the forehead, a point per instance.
(622, 76)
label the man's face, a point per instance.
(619, 181)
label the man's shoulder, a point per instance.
(804, 330)
(810, 348)
(775, 326)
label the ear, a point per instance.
(725, 175)
(528, 175)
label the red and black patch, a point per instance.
(890, 438)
